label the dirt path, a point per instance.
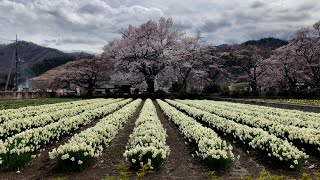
(180, 164)
(243, 165)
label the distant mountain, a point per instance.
(35, 59)
(223, 47)
(229, 62)
(271, 42)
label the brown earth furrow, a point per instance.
(180, 164)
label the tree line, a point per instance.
(155, 55)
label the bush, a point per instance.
(240, 86)
(161, 93)
(284, 93)
(136, 91)
(212, 88)
(176, 87)
(271, 93)
(53, 94)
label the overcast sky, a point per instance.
(86, 25)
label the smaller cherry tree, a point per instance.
(298, 61)
(189, 59)
(84, 72)
(214, 63)
(306, 47)
(283, 69)
(251, 61)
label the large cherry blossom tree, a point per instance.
(144, 49)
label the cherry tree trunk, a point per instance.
(254, 87)
(184, 82)
(90, 89)
(150, 83)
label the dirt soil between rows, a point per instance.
(180, 164)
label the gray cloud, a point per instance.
(257, 4)
(213, 26)
(77, 41)
(182, 27)
(88, 25)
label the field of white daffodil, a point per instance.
(79, 151)
(16, 151)
(176, 139)
(211, 148)
(147, 143)
(257, 138)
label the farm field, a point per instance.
(305, 102)
(11, 104)
(175, 139)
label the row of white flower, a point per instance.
(78, 152)
(16, 126)
(147, 143)
(306, 118)
(256, 138)
(30, 111)
(293, 117)
(288, 117)
(31, 140)
(211, 147)
(275, 126)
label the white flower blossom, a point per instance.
(227, 117)
(210, 145)
(92, 140)
(148, 136)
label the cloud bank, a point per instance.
(87, 25)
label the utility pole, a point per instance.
(10, 70)
(17, 70)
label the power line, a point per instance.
(8, 77)
(9, 40)
(4, 39)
